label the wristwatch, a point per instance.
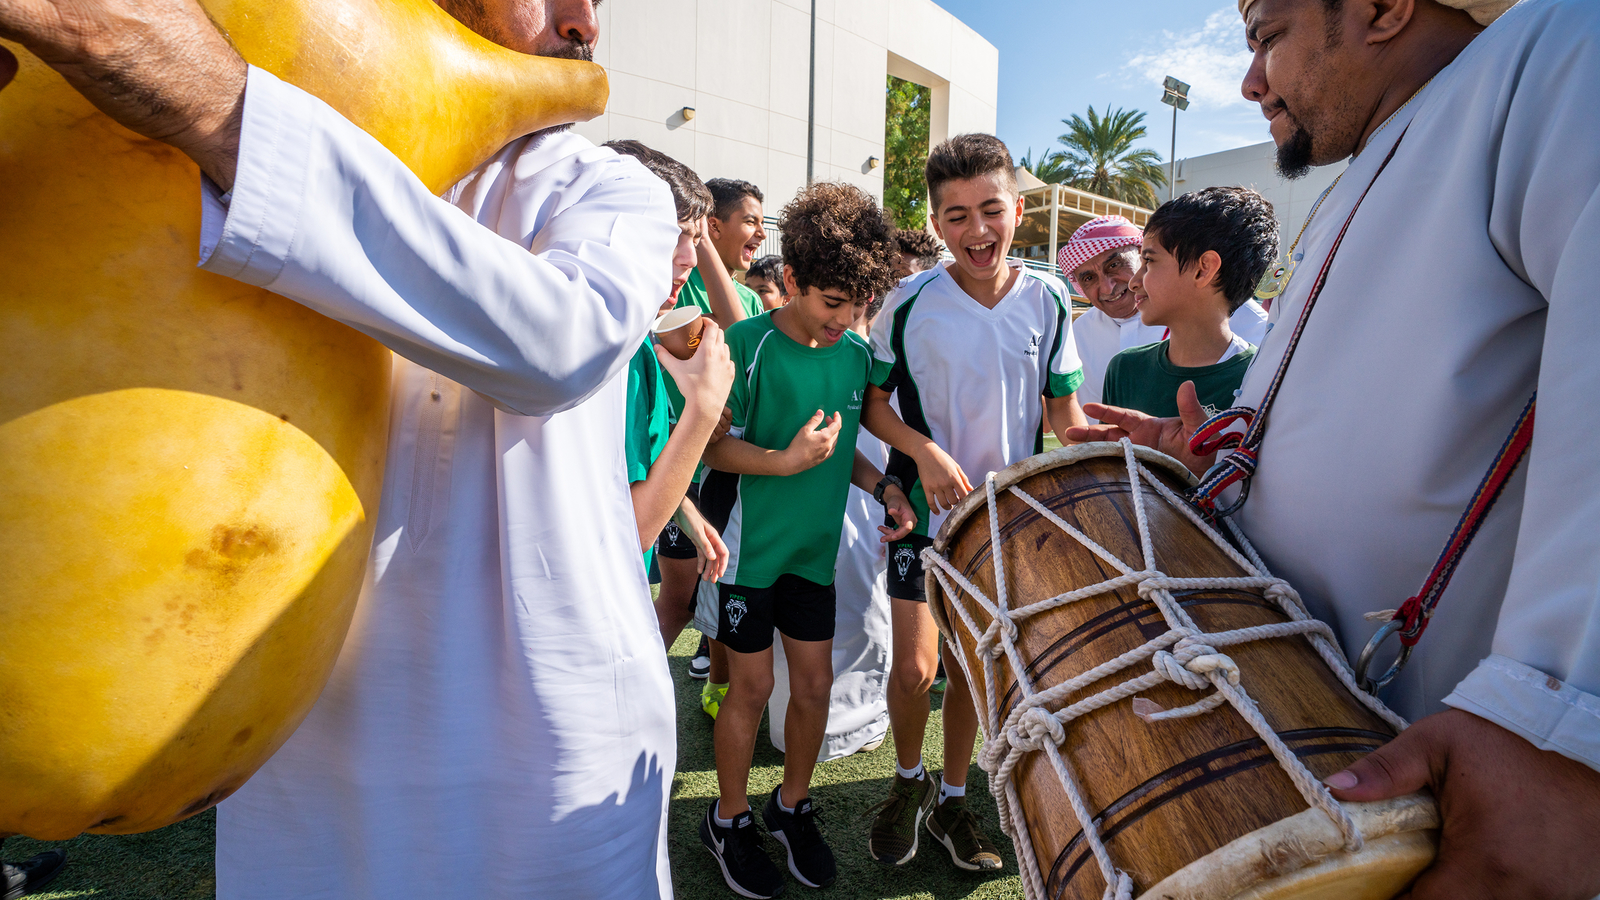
(877, 492)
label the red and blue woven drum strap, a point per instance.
(1416, 612)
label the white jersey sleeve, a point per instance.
(325, 215)
(1063, 368)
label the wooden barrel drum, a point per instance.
(1192, 807)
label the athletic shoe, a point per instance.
(810, 860)
(745, 866)
(871, 745)
(958, 829)
(31, 875)
(711, 698)
(893, 840)
(700, 665)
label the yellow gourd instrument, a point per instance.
(190, 466)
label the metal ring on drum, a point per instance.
(1142, 674)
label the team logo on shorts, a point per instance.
(672, 532)
(903, 557)
(735, 610)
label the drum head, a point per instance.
(1301, 858)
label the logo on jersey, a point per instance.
(904, 556)
(1033, 345)
(735, 610)
(855, 399)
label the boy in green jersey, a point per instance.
(661, 457)
(1202, 256)
(733, 236)
(802, 375)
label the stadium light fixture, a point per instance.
(1175, 94)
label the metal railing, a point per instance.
(769, 246)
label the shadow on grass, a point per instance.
(843, 790)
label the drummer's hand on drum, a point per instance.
(898, 506)
(1518, 822)
(1170, 436)
(942, 479)
(813, 445)
(158, 67)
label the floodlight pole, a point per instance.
(1172, 158)
(811, 104)
(1175, 94)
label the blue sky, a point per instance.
(1059, 56)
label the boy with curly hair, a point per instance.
(802, 375)
(919, 252)
(967, 350)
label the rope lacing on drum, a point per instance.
(1183, 655)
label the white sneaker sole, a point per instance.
(960, 863)
(916, 838)
(733, 885)
(784, 840)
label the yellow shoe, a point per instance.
(711, 698)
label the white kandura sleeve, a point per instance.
(1542, 680)
(322, 213)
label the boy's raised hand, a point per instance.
(812, 445)
(942, 479)
(1170, 436)
(898, 506)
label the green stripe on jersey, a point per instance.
(790, 524)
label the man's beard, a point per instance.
(1294, 157)
(571, 49)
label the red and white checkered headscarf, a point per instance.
(1093, 238)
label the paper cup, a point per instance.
(679, 331)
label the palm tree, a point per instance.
(1100, 150)
(1052, 167)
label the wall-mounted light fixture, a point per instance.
(873, 162)
(687, 112)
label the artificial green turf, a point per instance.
(175, 863)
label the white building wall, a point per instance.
(1253, 167)
(743, 66)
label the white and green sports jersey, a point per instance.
(970, 377)
(778, 525)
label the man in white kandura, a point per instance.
(1465, 281)
(1100, 260)
(500, 722)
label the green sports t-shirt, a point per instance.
(1143, 378)
(694, 294)
(788, 525)
(647, 421)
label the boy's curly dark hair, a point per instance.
(836, 237)
(921, 245)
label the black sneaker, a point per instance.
(810, 859)
(30, 876)
(961, 832)
(745, 866)
(700, 663)
(896, 820)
